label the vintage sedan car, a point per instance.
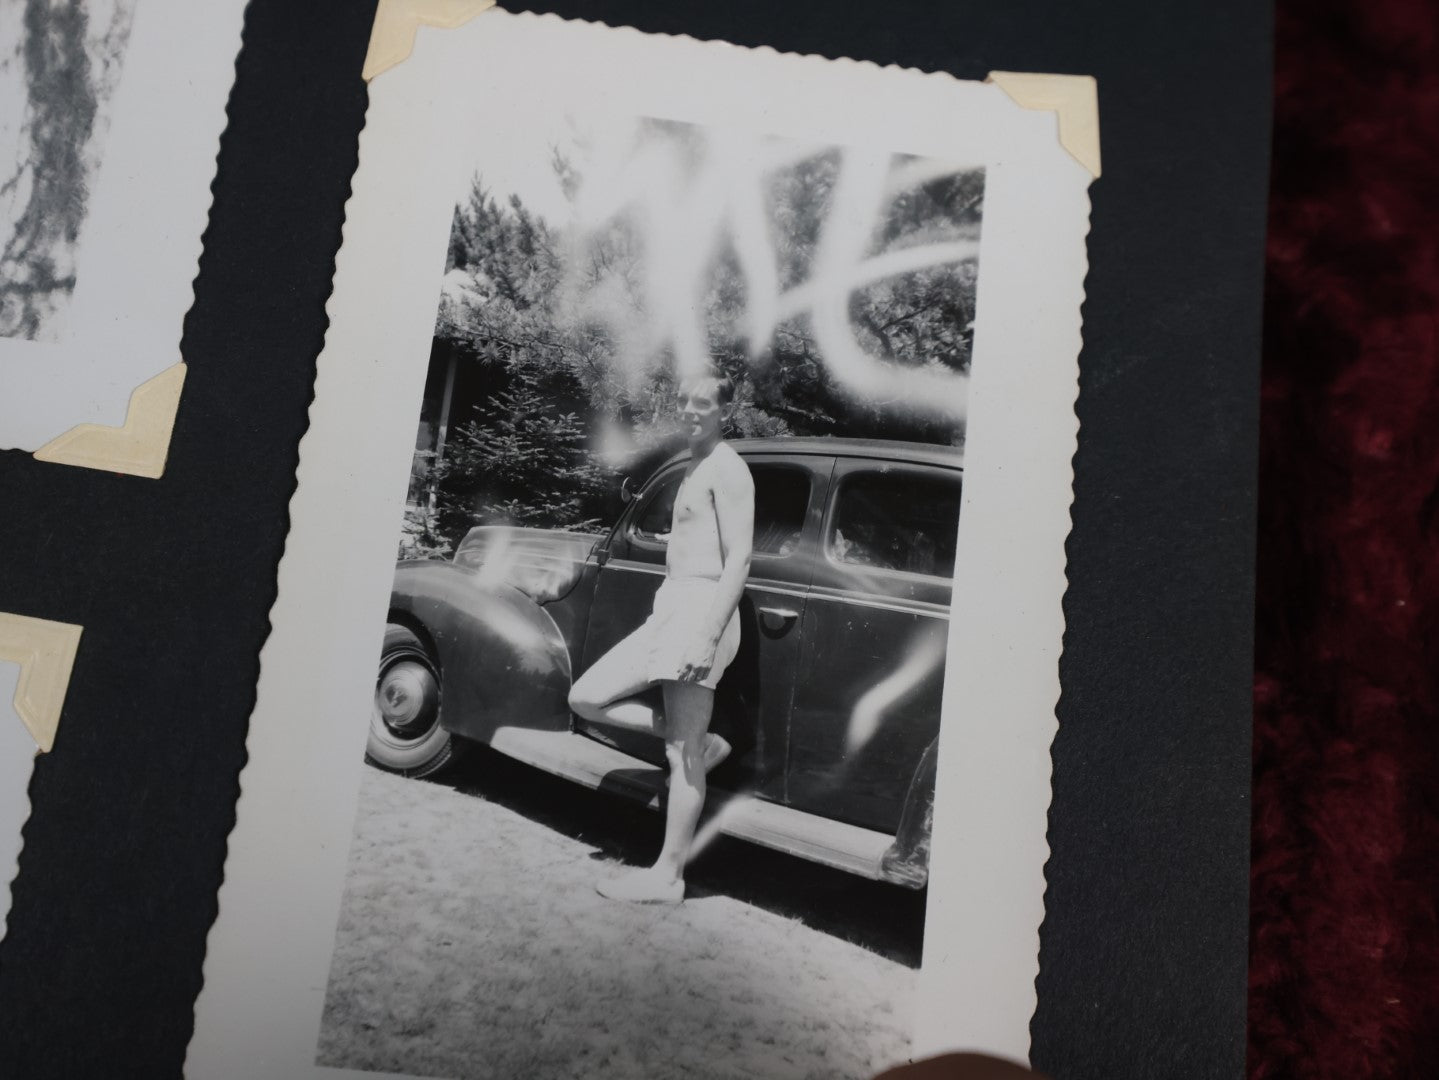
(832, 704)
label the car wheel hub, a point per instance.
(406, 696)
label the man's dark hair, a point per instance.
(724, 385)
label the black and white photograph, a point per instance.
(666, 637)
(110, 119)
(680, 534)
(60, 64)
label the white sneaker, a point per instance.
(642, 887)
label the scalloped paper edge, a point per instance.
(45, 651)
(1025, 94)
(18, 754)
(392, 39)
(140, 446)
(1073, 98)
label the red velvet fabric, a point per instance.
(1344, 978)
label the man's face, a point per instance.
(701, 413)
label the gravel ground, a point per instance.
(471, 943)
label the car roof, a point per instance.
(951, 457)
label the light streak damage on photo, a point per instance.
(687, 198)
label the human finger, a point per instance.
(961, 1067)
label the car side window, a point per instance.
(896, 520)
(781, 496)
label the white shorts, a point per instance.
(681, 614)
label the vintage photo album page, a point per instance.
(663, 672)
(108, 139)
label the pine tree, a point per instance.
(521, 461)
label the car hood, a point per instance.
(544, 564)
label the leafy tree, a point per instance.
(568, 406)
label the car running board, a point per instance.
(585, 761)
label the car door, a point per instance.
(753, 699)
(875, 633)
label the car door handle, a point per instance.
(777, 618)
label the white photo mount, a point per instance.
(269, 952)
(102, 391)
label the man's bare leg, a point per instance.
(607, 694)
(688, 706)
(633, 713)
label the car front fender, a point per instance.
(503, 660)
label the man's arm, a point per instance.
(733, 494)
